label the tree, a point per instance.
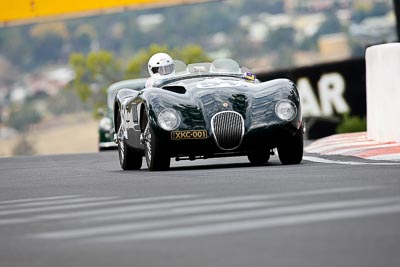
(190, 54)
(49, 40)
(8, 73)
(16, 45)
(281, 37)
(82, 38)
(21, 117)
(93, 74)
(48, 48)
(330, 25)
(23, 147)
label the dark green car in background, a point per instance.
(106, 124)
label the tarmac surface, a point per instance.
(83, 210)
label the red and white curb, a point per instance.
(355, 144)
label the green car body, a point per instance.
(209, 111)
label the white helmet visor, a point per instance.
(164, 70)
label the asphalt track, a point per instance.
(83, 210)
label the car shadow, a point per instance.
(215, 166)
(222, 166)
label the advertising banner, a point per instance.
(327, 92)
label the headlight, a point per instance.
(105, 124)
(286, 110)
(169, 119)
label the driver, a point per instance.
(160, 66)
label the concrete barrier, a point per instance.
(383, 92)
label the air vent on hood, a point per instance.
(175, 88)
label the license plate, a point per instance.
(193, 134)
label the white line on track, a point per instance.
(55, 202)
(184, 211)
(180, 224)
(36, 199)
(264, 223)
(225, 228)
(147, 209)
(88, 205)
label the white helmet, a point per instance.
(162, 64)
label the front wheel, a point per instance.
(258, 158)
(291, 151)
(157, 158)
(129, 158)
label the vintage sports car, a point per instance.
(208, 110)
(106, 126)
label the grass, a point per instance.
(66, 134)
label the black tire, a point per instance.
(258, 158)
(129, 158)
(291, 151)
(157, 158)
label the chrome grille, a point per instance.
(228, 129)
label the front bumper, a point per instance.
(264, 138)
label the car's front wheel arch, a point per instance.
(117, 117)
(143, 118)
